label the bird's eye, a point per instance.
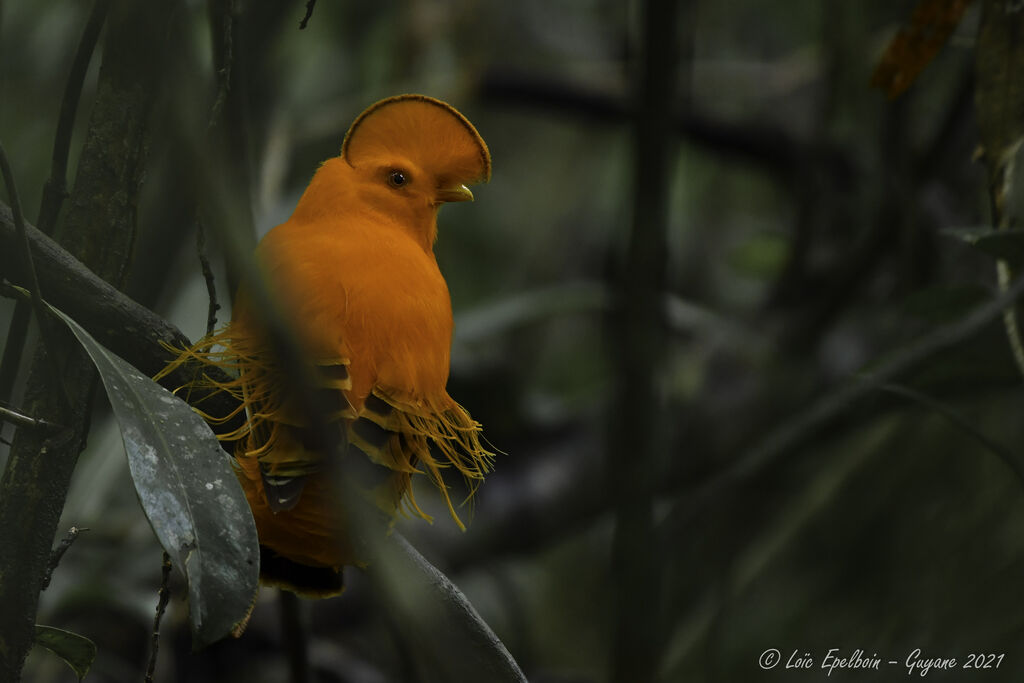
(397, 178)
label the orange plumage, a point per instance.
(355, 272)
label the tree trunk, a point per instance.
(99, 230)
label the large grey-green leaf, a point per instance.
(189, 492)
(78, 651)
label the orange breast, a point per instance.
(363, 291)
(373, 299)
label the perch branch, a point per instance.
(126, 327)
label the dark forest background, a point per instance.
(729, 311)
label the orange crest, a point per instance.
(430, 133)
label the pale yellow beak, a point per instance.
(455, 194)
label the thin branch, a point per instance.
(310, 4)
(26, 254)
(222, 11)
(55, 189)
(8, 414)
(58, 553)
(161, 606)
(211, 284)
(226, 60)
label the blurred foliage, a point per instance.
(809, 240)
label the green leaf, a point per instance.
(188, 489)
(760, 257)
(1003, 244)
(78, 651)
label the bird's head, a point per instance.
(412, 153)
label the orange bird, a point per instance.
(355, 272)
